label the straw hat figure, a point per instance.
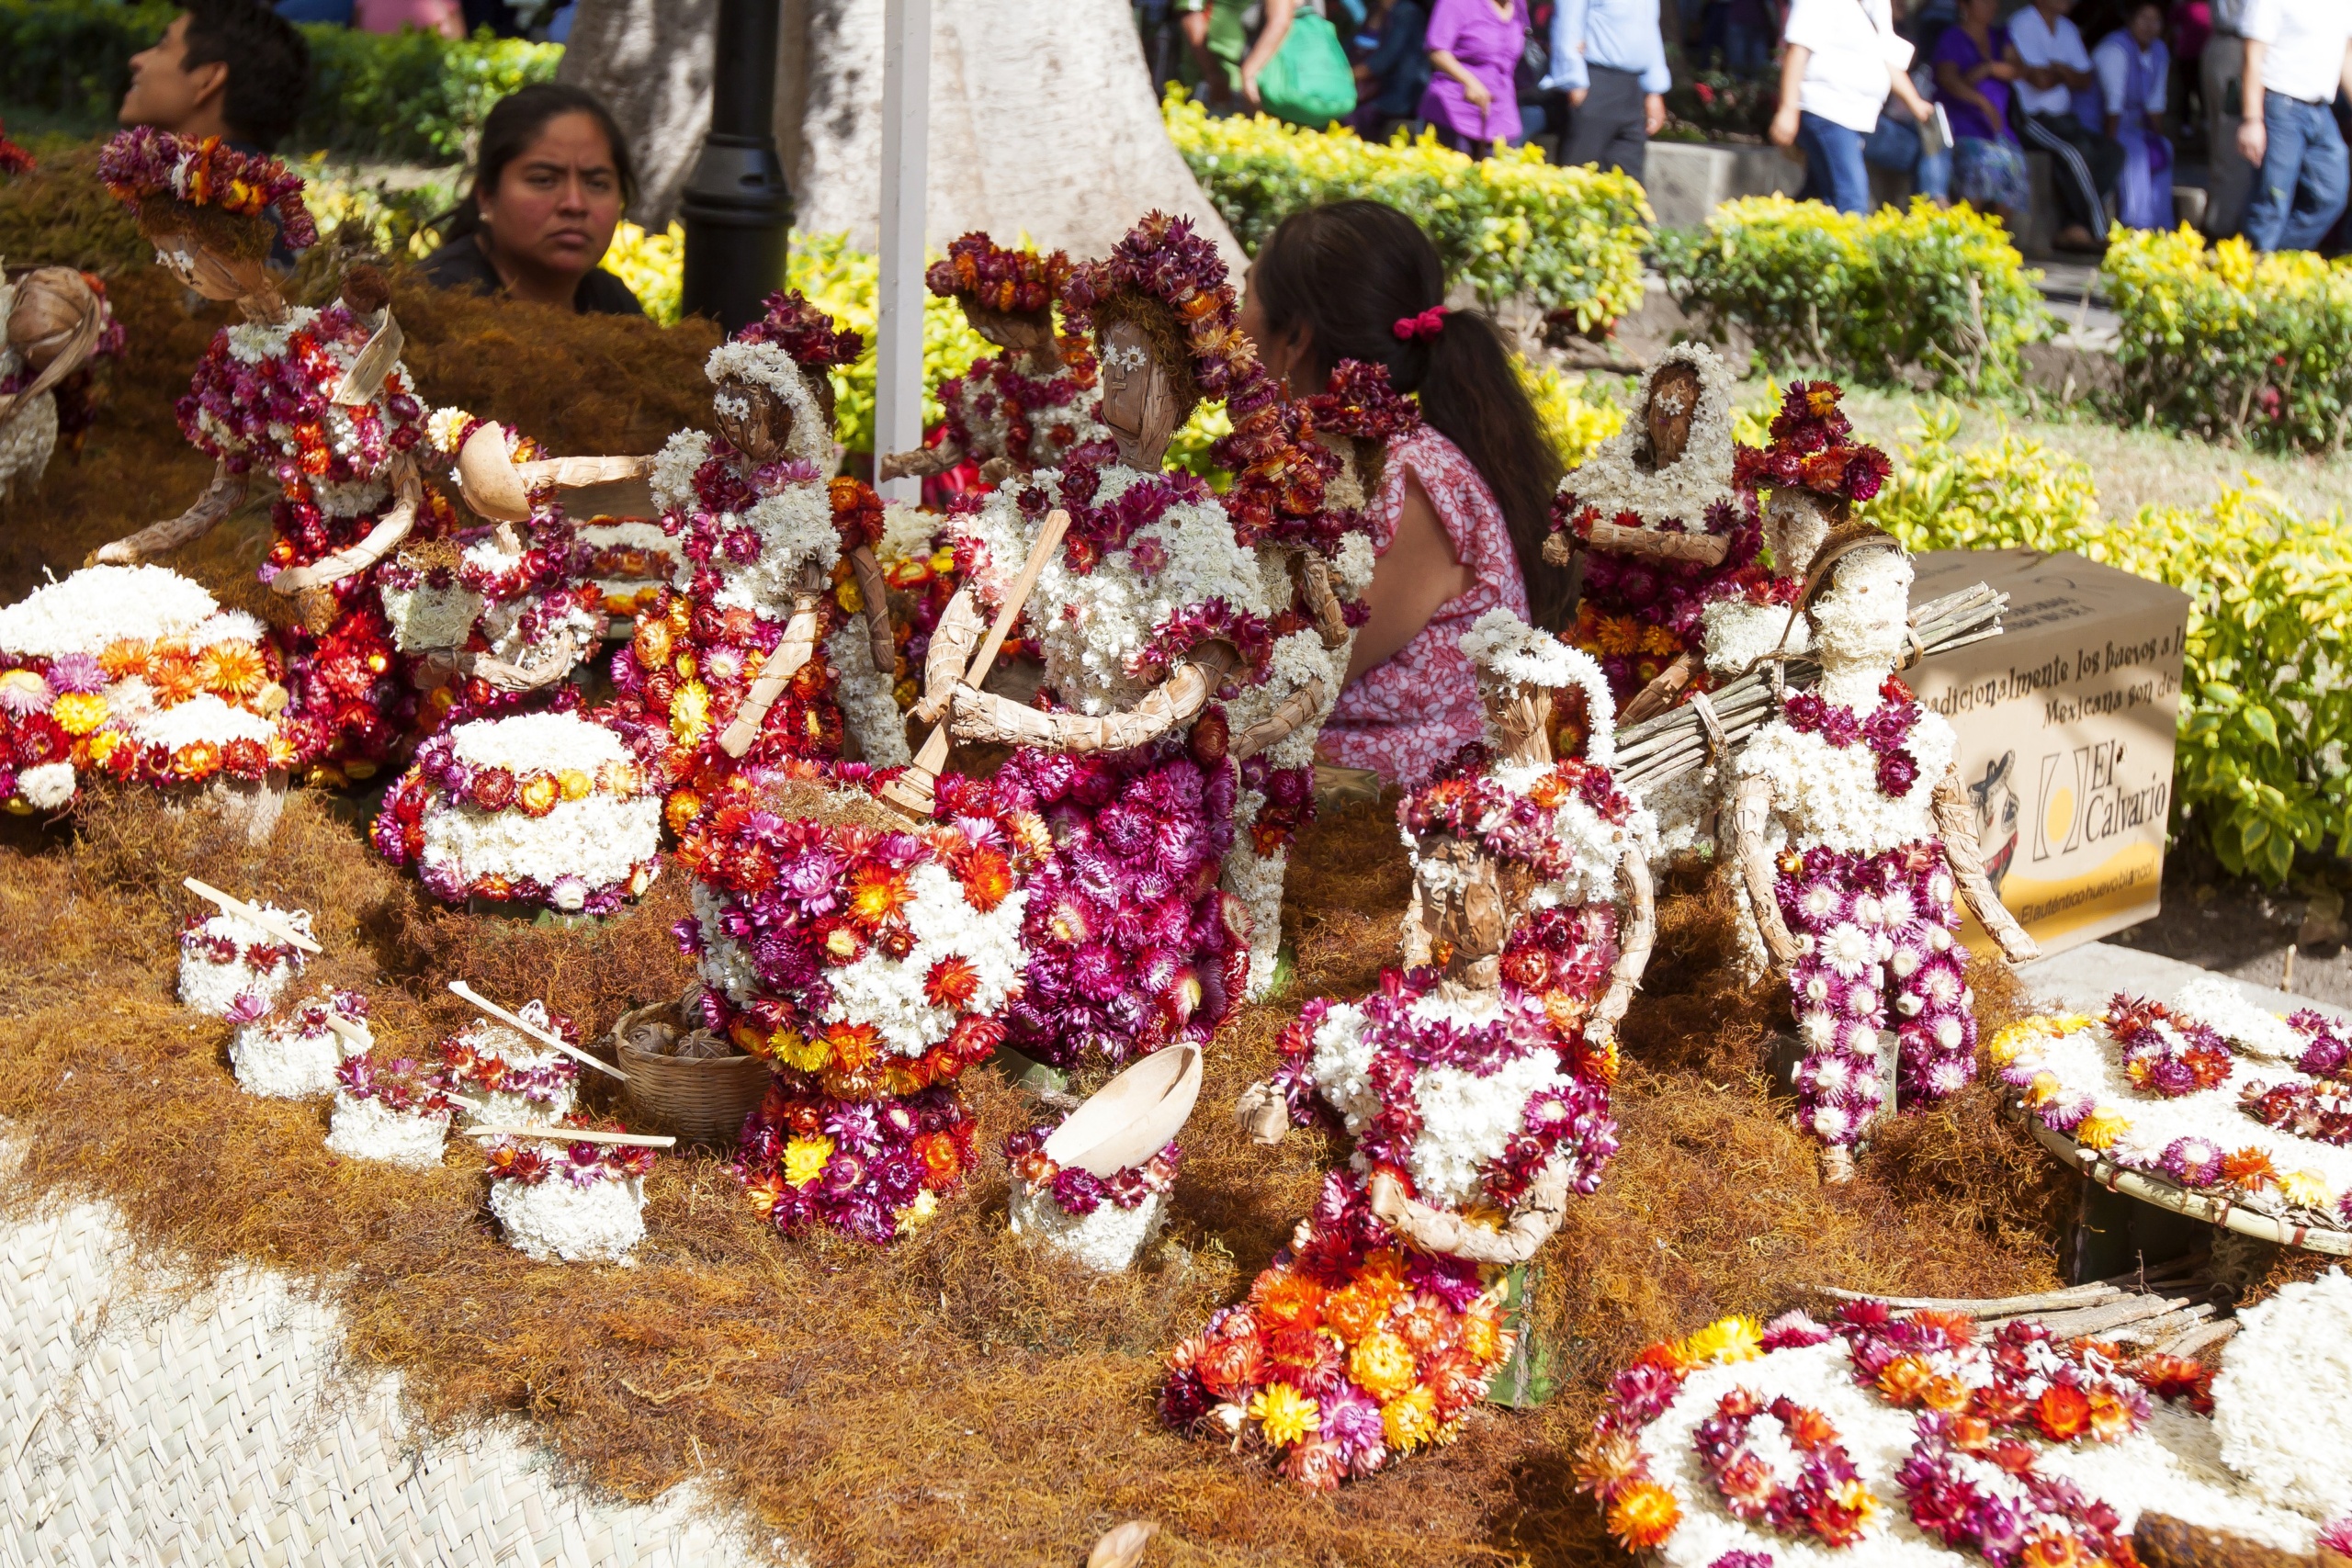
(1852, 832)
(316, 398)
(1475, 1085)
(1025, 408)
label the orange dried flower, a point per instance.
(2063, 1413)
(1643, 1516)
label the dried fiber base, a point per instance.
(209, 1426)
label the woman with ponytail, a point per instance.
(1462, 503)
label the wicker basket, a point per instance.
(701, 1100)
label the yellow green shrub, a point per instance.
(2266, 694)
(1507, 224)
(1876, 297)
(2230, 344)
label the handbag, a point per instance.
(1308, 82)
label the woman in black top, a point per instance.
(549, 186)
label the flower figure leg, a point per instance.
(1936, 1033)
(1837, 992)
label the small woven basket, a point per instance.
(702, 1099)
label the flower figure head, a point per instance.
(207, 191)
(978, 273)
(1169, 281)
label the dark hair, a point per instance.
(508, 132)
(1348, 272)
(269, 65)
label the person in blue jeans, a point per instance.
(2298, 53)
(1842, 63)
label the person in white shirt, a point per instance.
(2298, 53)
(1843, 58)
(2056, 68)
(2133, 66)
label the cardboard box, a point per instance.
(2066, 723)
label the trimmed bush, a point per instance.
(1886, 299)
(2267, 693)
(1507, 224)
(2232, 346)
(409, 97)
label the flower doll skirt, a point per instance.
(1877, 928)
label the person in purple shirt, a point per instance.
(1475, 47)
(1974, 63)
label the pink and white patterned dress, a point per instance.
(1406, 717)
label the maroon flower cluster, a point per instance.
(2055, 1521)
(979, 270)
(2306, 1109)
(1517, 828)
(880, 1157)
(790, 322)
(1358, 401)
(992, 384)
(2329, 1054)
(1887, 731)
(143, 161)
(1079, 1192)
(583, 1164)
(13, 159)
(1812, 448)
(2191, 1056)
(1827, 1500)
(403, 1086)
(1162, 259)
(1279, 471)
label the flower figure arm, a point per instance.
(1313, 574)
(1533, 1222)
(985, 717)
(408, 494)
(1634, 956)
(1289, 714)
(797, 647)
(222, 496)
(1956, 824)
(1664, 543)
(873, 596)
(952, 645)
(920, 463)
(1263, 1113)
(1659, 695)
(1751, 811)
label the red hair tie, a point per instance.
(1428, 324)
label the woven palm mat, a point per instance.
(146, 1422)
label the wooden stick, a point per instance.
(911, 791)
(2047, 1301)
(250, 916)
(533, 1029)
(578, 1136)
(357, 1035)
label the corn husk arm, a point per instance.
(920, 463)
(874, 593)
(222, 496)
(1659, 695)
(1634, 952)
(1660, 543)
(797, 647)
(988, 718)
(1956, 824)
(1298, 708)
(1751, 809)
(952, 644)
(1322, 601)
(1533, 1222)
(407, 495)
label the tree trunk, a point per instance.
(1042, 116)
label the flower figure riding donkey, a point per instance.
(1476, 1085)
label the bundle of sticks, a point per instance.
(1660, 749)
(2165, 1309)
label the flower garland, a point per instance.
(1350, 1350)
(1568, 825)
(876, 962)
(1463, 1103)
(1966, 1489)
(871, 1170)
(2329, 1053)
(630, 559)
(2072, 1075)
(403, 1087)
(1886, 733)
(143, 165)
(394, 1111)
(544, 808)
(1130, 944)
(1827, 1500)
(996, 409)
(1078, 1192)
(2023, 1379)
(2162, 1052)
(1812, 448)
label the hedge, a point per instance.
(2266, 695)
(2231, 346)
(1883, 297)
(1507, 225)
(407, 97)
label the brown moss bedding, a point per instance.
(960, 1399)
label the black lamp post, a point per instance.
(736, 205)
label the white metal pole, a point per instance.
(906, 118)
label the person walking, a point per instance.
(1843, 58)
(1473, 48)
(2297, 55)
(1609, 56)
(2057, 67)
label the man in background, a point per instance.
(2297, 55)
(2057, 67)
(1610, 59)
(233, 69)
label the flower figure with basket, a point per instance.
(1027, 409)
(1852, 835)
(316, 399)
